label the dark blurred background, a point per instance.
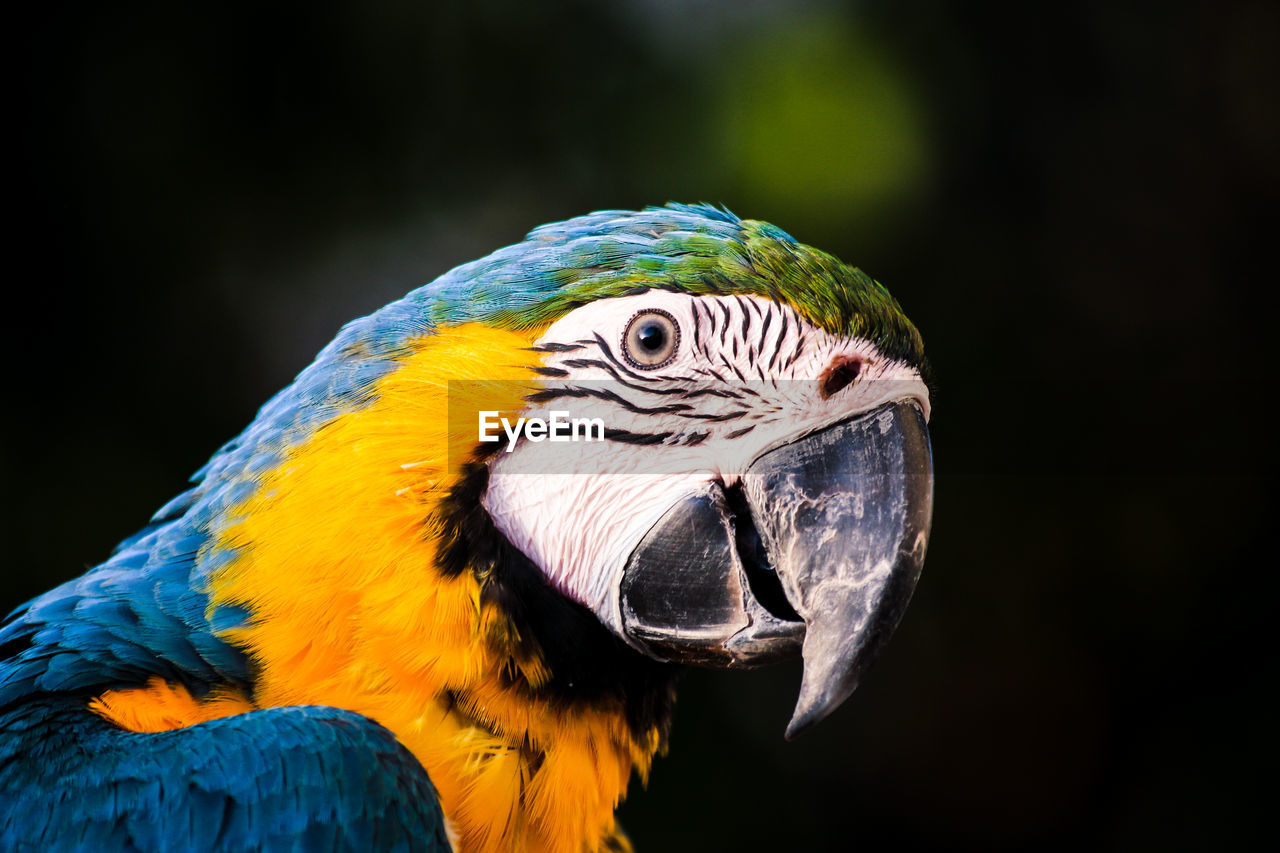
(1070, 199)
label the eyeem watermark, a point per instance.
(606, 426)
(558, 427)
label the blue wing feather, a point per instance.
(299, 778)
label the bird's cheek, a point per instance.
(579, 527)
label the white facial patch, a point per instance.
(747, 375)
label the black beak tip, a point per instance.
(807, 717)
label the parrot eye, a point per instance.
(651, 339)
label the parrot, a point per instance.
(415, 605)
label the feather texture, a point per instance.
(300, 778)
(223, 680)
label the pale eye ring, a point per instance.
(651, 339)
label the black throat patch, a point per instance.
(589, 665)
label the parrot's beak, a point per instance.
(818, 551)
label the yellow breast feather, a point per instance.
(337, 563)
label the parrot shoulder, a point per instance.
(252, 780)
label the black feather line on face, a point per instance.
(712, 419)
(625, 437)
(552, 347)
(723, 393)
(736, 371)
(579, 363)
(548, 395)
(589, 666)
(777, 343)
(795, 352)
(709, 318)
(746, 316)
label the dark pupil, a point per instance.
(652, 336)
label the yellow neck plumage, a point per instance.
(337, 562)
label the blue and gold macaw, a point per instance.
(383, 618)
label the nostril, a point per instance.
(841, 372)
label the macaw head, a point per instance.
(490, 515)
(725, 455)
